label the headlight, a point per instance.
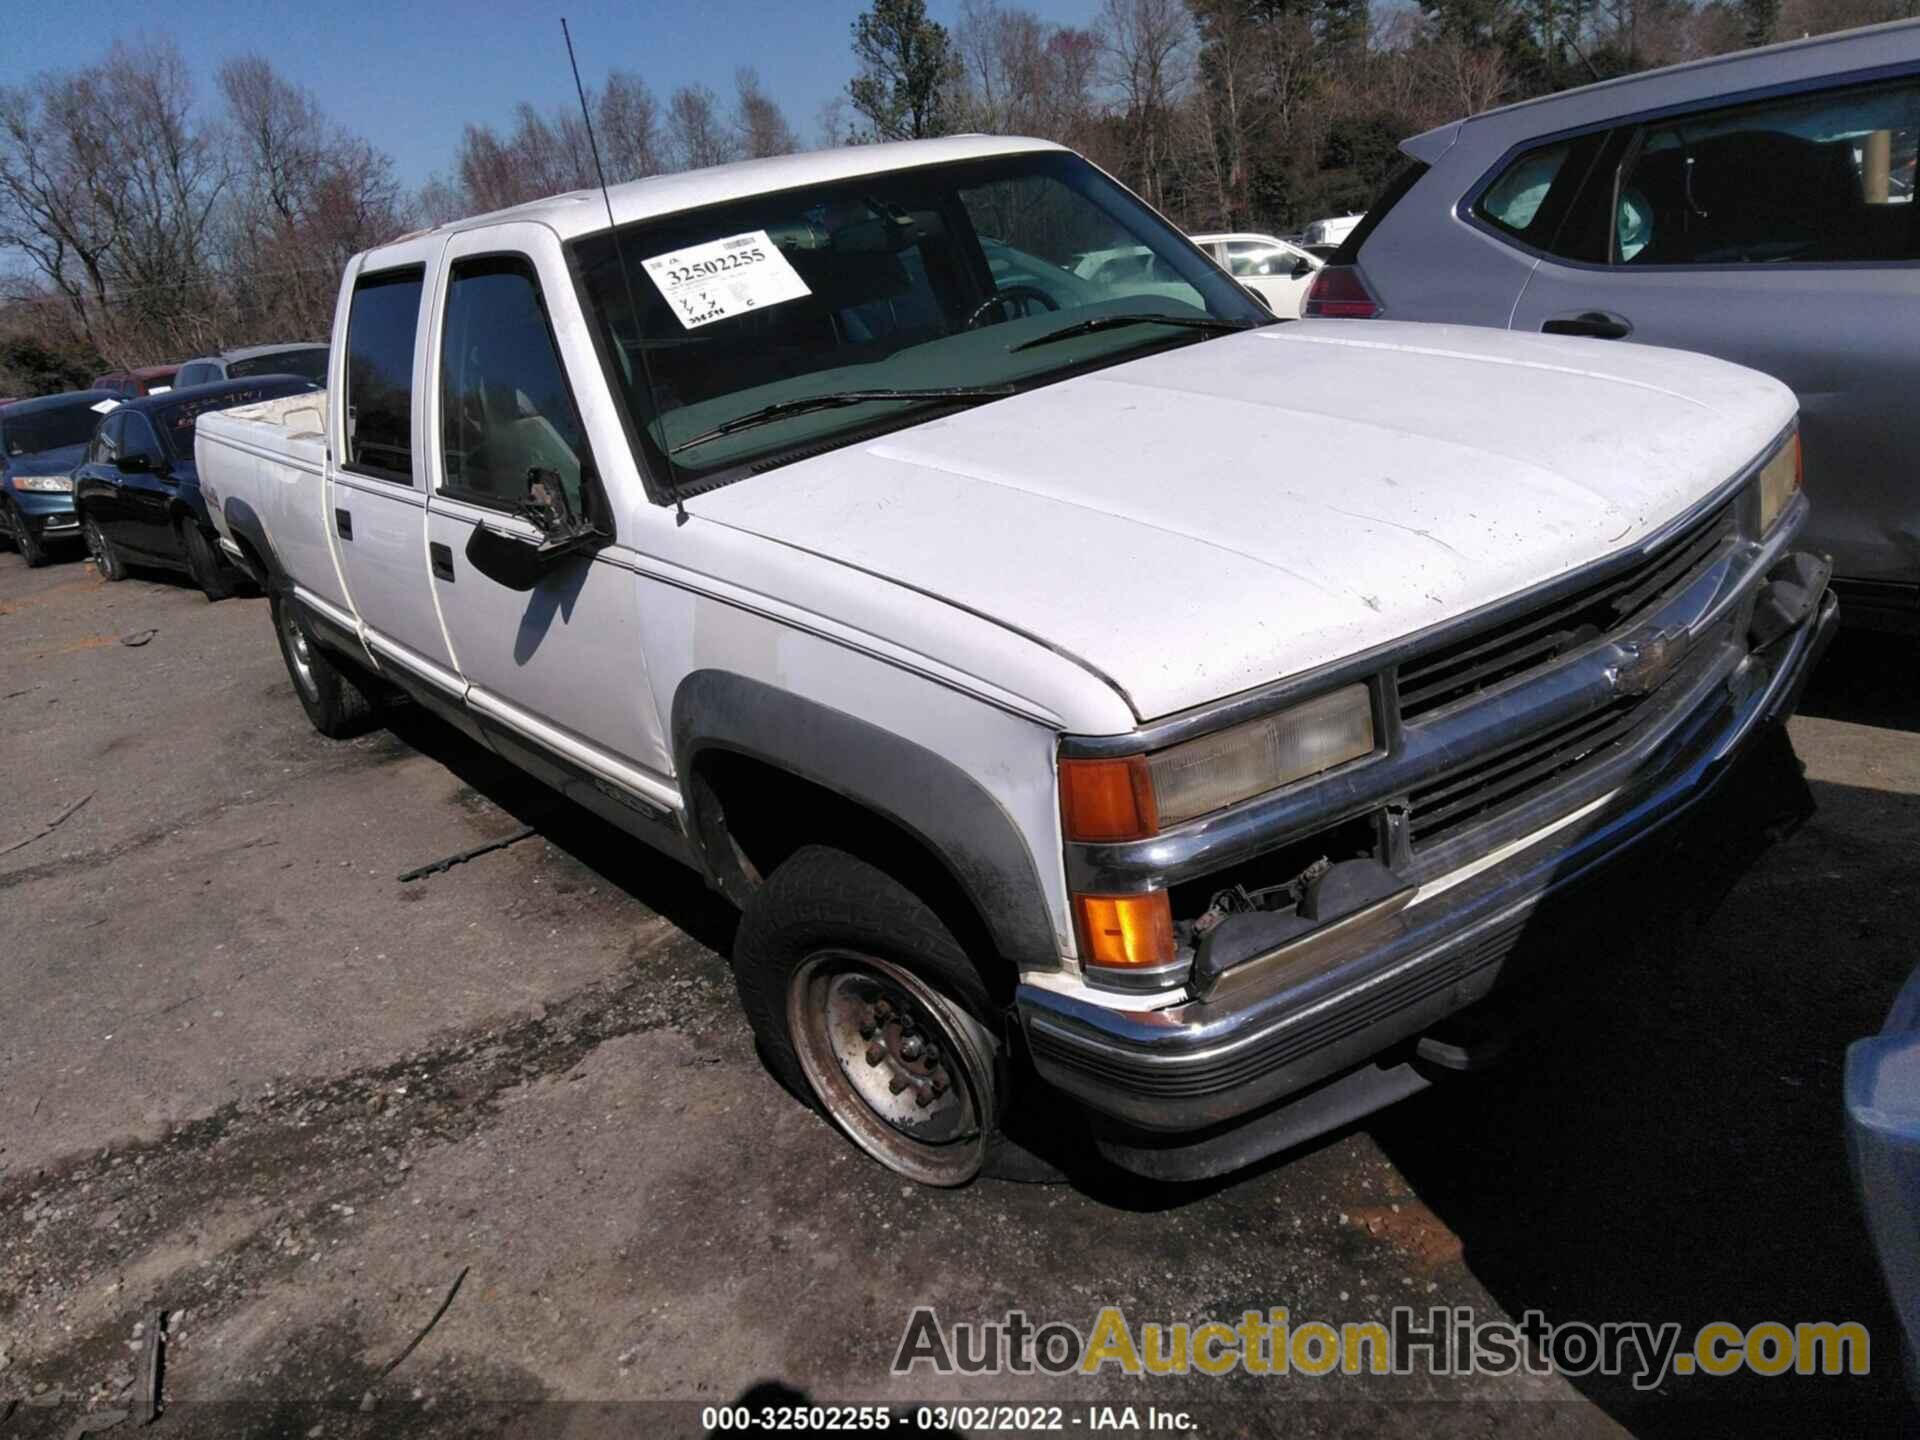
(1780, 480)
(45, 484)
(1135, 797)
(1220, 770)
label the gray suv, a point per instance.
(1758, 207)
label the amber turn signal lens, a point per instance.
(1125, 931)
(1107, 799)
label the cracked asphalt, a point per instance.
(252, 1083)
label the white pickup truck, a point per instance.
(1107, 693)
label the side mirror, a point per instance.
(133, 463)
(1302, 268)
(518, 561)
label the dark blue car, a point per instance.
(137, 493)
(41, 443)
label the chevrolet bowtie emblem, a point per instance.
(1647, 660)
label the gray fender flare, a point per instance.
(920, 791)
(245, 524)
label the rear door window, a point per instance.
(381, 326)
(1815, 179)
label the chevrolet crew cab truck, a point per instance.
(1099, 698)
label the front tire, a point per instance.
(865, 1005)
(26, 542)
(203, 563)
(106, 559)
(333, 698)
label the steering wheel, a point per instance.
(1030, 298)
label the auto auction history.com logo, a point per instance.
(1444, 1340)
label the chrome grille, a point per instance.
(1497, 782)
(1515, 646)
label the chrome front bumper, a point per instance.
(1202, 1063)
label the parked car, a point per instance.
(1749, 206)
(1883, 1138)
(147, 380)
(1141, 699)
(306, 359)
(1277, 272)
(137, 492)
(41, 441)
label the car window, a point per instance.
(176, 422)
(309, 363)
(137, 438)
(1260, 260)
(505, 408)
(380, 336)
(1812, 179)
(52, 428)
(107, 438)
(1535, 194)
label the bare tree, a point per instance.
(628, 123)
(696, 134)
(306, 196)
(762, 128)
(1145, 44)
(59, 205)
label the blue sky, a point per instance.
(408, 74)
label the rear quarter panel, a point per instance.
(271, 459)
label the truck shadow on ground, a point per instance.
(664, 886)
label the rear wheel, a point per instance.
(203, 562)
(105, 558)
(333, 698)
(866, 1005)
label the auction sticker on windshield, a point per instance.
(704, 283)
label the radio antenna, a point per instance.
(626, 275)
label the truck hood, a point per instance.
(1237, 510)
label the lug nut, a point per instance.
(912, 1047)
(876, 1052)
(882, 1011)
(896, 1085)
(931, 1053)
(938, 1084)
(923, 1092)
(868, 1029)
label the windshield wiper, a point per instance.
(1132, 317)
(833, 400)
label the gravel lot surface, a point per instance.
(250, 1080)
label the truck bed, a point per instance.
(270, 458)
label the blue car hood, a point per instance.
(48, 462)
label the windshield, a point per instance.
(53, 428)
(175, 422)
(920, 279)
(309, 363)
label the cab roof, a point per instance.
(580, 212)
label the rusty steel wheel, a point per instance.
(905, 1071)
